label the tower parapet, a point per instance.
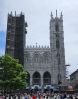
(37, 47)
(57, 17)
(15, 14)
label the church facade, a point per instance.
(46, 65)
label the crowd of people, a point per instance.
(38, 95)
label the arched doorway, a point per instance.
(36, 78)
(46, 78)
(28, 79)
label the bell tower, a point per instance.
(57, 49)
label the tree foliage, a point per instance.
(12, 74)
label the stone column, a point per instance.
(42, 82)
(41, 78)
(30, 79)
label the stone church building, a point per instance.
(46, 65)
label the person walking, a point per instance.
(34, 96)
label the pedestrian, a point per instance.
(25, 96)
(34, 96)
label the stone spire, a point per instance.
(36, 44)
(61, 16)
(56, 13)
(51, 15)
(15, 13)
(11, 12)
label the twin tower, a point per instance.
(45, 65)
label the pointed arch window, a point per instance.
(57, 27)
(58, 58)
(36, 57)
(27, 57)
(57, 44)
(46, 56)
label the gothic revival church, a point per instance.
(46, 65)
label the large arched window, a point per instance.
(58, 58)
(36, 78)
(46, 57)
(41, 59)
(46, 78)
(57, 44)
(57, 27)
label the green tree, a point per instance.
(12, 74)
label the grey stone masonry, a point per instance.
(46, 65)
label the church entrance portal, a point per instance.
(46, 78)
(36, 78)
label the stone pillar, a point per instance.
(30, 80)
(41, 79)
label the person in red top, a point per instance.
(34, 96)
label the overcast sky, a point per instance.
(37, 15)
